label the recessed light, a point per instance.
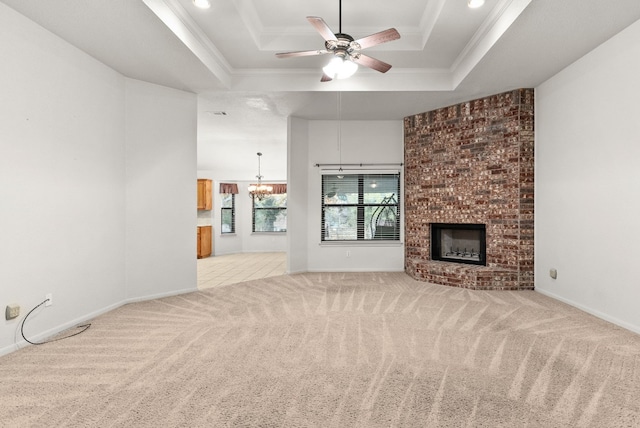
(473, 4)
(202, 4)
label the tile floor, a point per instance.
(217, 271)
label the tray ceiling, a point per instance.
(447, 53)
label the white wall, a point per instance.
(160, 190)
(61, 179)
(587, 201)
(297, 209)
(366, 142)
(64, 223)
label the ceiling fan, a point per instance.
(345, 50)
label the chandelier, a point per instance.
(259, 191)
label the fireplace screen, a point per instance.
(459, 243)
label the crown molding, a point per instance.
(176, 18)
(295, 80)
(429, 19)
(497, 23)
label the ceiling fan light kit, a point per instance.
(340, 68)
(345, 50)
(474, 4)
(202, 4)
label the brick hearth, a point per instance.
(473, 163)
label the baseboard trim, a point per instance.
(594, 312)
(21, 343)
(159, 295)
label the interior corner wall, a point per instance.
(588, 182)
(62, 227)
(160, 190)
(297, 189)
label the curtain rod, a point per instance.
(357, 164)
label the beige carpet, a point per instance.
(331, 350)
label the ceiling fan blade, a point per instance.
(322, 28)
(301, 53)
(378, 38)
(325, 78)
(372, 63)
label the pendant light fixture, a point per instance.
(259, 191)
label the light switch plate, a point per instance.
(553, 273)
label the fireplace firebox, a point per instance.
(459, 243)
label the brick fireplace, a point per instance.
(472, 163)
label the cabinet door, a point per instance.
(205, 241)
(204, 194)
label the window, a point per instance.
(270, 213)
(228, 213)
(361, 207)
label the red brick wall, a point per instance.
(473, 163)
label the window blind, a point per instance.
(360, 207)
(228, 213)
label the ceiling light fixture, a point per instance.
(202, 4)
(339, 67)
(259, 191)
(345, 49)
(474, 4)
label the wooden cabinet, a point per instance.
(204, 194)
(204, 241)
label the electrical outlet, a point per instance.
(49, 298)
(12, 311)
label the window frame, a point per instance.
(253, 214)
(361, 206)
(233, 214)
